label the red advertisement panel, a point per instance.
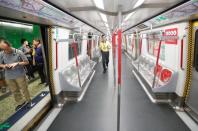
(171, 36)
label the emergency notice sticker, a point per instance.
(171, 36)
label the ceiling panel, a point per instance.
(90, 15)
(73, 3)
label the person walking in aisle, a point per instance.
(104, 47)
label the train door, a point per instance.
(192, 102)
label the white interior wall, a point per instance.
(59, 33)
(172, 54)
(63, 54)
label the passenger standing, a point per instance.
(27, 51)
(39, 61)
(13, 62)
(104, 47)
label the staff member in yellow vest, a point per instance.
(104, 47)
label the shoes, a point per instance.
(46, 84)
(104, 71)
(30, 104)
(20, 106)
(41, 83)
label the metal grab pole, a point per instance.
(119, 66)
(74, 45)
(119, 77)
(114, 56)
(56, 55)
(157, 63)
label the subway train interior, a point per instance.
(98, 65)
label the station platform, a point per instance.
(98, 109)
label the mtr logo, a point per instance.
(171, 36)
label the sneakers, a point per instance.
(30, 105)
(27, 104)
(20, 106)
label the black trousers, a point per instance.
(40, 68)
(29, 68)
(105, 59)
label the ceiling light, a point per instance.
(106, 25)
(128, 16)
(16, 25)
(138, 3)
(104, 17)
(99, 4)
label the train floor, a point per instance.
(98, 109)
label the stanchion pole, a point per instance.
(119, 77)
(119, 66)
(114, 56)
(74, 45)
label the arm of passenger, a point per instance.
(3, 66)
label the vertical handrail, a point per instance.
(119, 55)
(157, 63)
(74, 46)
(132, 45)
(181, 54)
(119, 76)
(56, 56)
(140, 41)
(114, 44)
(114, 54)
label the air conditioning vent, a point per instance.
(142, 26)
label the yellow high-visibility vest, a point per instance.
(105, 46)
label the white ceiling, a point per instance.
(40, 11)
(83, 10)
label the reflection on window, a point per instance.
(26, 45)
(153, 45)
(78, 39)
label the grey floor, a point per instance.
(97, 111)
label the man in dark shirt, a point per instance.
(38, 56)
(27, 51)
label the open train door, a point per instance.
(192, 102)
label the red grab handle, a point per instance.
(74, 46)
(181, 55)
(119, 55)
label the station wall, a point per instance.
(15, 32)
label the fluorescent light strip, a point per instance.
(16, 25)
(104, 17)
(128, 16)
(107, 25)
(99, 4)
(138, 3)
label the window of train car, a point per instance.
(22, 72)
(153, 45)
(77, 38)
